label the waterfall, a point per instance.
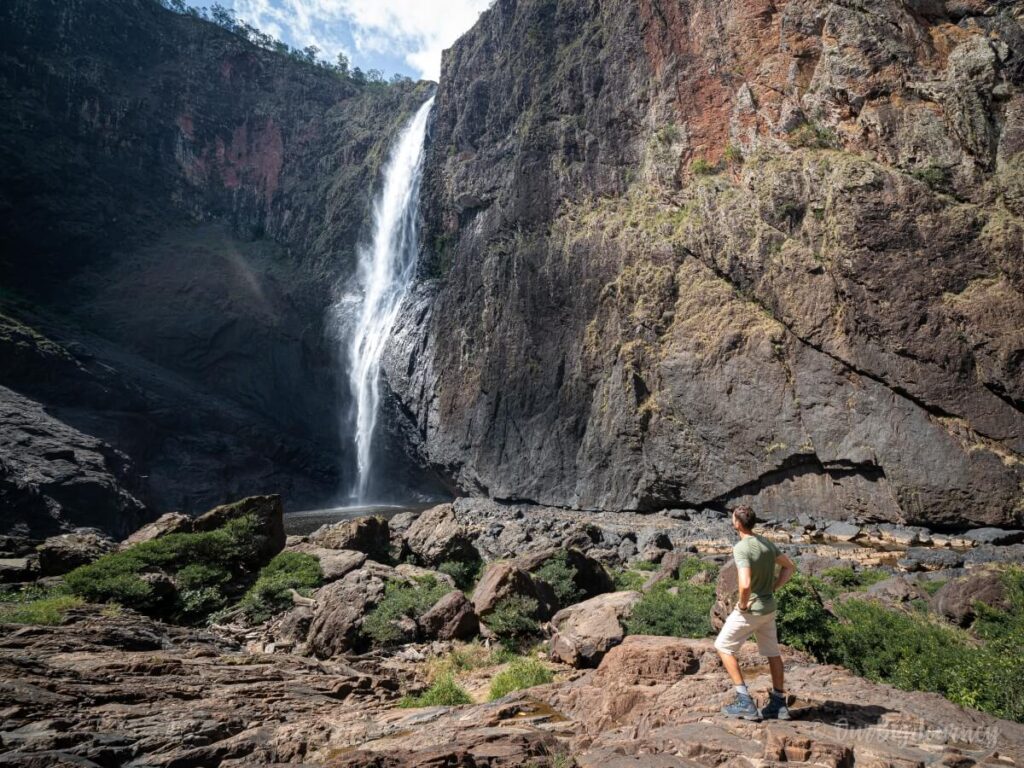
(386, 269)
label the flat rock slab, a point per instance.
(117, 689)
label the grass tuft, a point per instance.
(521, 673)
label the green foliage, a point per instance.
(932, 585)
(694, 565)
(701, 167)
(627, 579)
(669, 134)
(513, 616)
(935, 176)
(445, 692)
(733, 155)
(895, 647)
(836, 581)
(401, 599)
(813, 136)
(674, 606)
(463, 572)
(201, 563)
(270, 594)
(913, 651)
(802, 619)
(644, 565)
(521, 673)
(36, 605)
(558, 572)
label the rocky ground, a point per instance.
(106, 686)
(113, 689)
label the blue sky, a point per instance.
(405, 36)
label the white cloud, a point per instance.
(414, 30)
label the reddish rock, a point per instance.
(367, 534)
(450, 618)
(586, 631)
(505, 579)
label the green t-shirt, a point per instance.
(758, 554)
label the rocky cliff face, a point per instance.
(177, 209)
(693, 252)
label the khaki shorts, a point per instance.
(740, 626)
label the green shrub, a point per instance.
(802, 619)
(627, 579)
(701, 167)
(733, 155)
(813, 136)
(36, 605)
(401, 599)
(836, 581)
(445, 692)
(203, 561)
(895, 647)
(200, 576)
(270, 594)
(694, 565)
(558, 572)
(932, 585)
(513, 616)
(521, 673)
(935, 176)
(674, 607)
(463, 572)
(669, 134)
(644, 565)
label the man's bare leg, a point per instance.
(732, 666)
(775, 665)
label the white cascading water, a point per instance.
(386, 269)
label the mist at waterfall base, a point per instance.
(385, 479)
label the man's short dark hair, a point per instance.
(745, 516)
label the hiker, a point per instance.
(754, 614)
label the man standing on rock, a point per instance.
(756, 558)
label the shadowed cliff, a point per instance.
(177, 209)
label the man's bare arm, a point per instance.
(743, 580)
(788, 569)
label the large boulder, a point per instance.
(504, 579)
(450, 618)
(438, 535)
(590, 578)
(340, 608)
(956, 600)
(367, 534)
(60, 554)
(172, 522)
(266, 510)
(585, 632)
(334, 563)
(651, 659)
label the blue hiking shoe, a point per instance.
(743, 708)
(776, 708)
